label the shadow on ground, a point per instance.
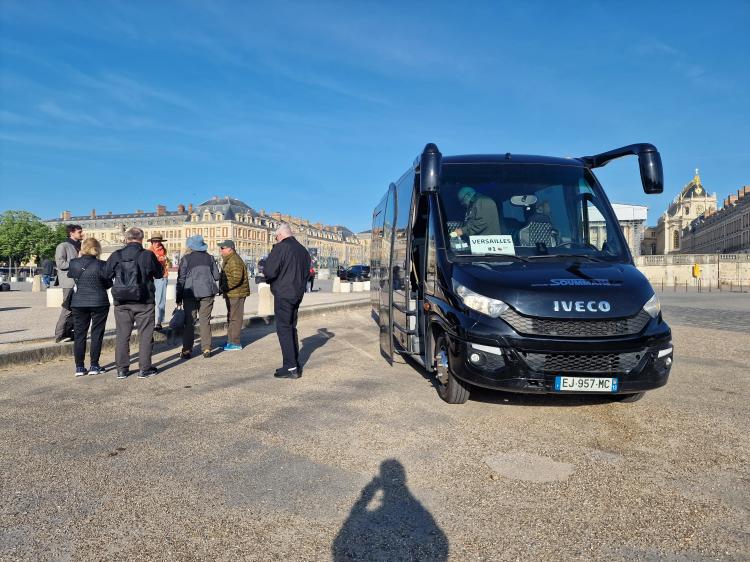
(312, 343)
(388, 523)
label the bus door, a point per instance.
(404, 279)
(385, 278)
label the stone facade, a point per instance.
(218, 219)
(724, 231)
(690, 204)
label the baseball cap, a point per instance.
(227, 244)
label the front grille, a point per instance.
(583, 362)
(575, 328)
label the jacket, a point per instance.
(148, 265)
(234, 282)
(65, 252)
(48, 267)
(197, 277)
(481, 217)
(287, 269)
(90, 275)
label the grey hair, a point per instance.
(134, 235)
(284, 230)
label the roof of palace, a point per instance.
(228, 206)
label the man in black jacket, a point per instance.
(134, 270)
(287, 269)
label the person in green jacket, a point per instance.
(235, 286)
(481, 214)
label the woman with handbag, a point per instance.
(89, 304)
(197, 285)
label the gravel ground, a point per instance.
(216, 459)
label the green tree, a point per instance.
(24, 237)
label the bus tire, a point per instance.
(450, 388)
(628, 398)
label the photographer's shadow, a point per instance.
(388, 523)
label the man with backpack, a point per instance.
(133, 270)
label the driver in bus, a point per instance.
(481, 214)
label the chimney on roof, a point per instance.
(181, 208)
(93, 213)
(109, 213)
(732, 199)
(139, 211)
(190, 208)
(216, 198)
(161, 210)
(65, 215)
(263, 212)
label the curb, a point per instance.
(49, 352)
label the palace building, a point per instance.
(692, 202)
(726, 231)
(218, 219)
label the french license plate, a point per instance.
(585, 384)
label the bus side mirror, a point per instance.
(429, 169)
(652, 175)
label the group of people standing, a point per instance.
(138, 278)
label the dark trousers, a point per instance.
(202, 309)
(142, 316)
(64, 325)
(235, 314)
(83, 317)
(312, 280)
(285, 312)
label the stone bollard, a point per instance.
(54, 297)
(171, 292)
(265, 300)
(358, 287)
(345, 288)
(366, 286)
(336, 285)
(36, 284)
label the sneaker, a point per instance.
(159, 328)
(81, 371)
(232, 347)
(206, 353)
(123, 373)
(283, 373)
(96, 370)
(145, 373)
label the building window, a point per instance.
(676, 240)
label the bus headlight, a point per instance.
(491, 307)
(652, 306)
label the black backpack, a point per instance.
(128, 284)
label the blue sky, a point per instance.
(312, 108)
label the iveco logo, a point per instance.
(582, 306)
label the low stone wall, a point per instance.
(677, 269)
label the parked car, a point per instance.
(259, 276)
(355, 273)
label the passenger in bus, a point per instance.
(481, 214)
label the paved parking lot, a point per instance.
(216, 459)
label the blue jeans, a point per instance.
(45, 280)
(160, 285)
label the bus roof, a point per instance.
(511, 159)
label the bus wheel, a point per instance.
(451, 389)
(628, 398)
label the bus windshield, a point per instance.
(530, 211)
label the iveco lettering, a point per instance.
(511, 272)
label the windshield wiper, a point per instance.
(591, 258)
(512, 256)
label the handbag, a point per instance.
(178, 319)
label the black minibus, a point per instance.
(511, 272)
